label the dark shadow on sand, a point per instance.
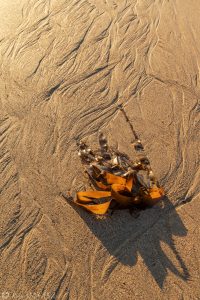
(126, 237)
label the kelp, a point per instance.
(117, 179)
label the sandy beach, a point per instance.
(65, 66)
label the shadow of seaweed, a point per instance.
(126, 237)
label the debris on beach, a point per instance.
(118, 181)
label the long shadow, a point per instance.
(126, 237)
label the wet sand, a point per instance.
(65, 66)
